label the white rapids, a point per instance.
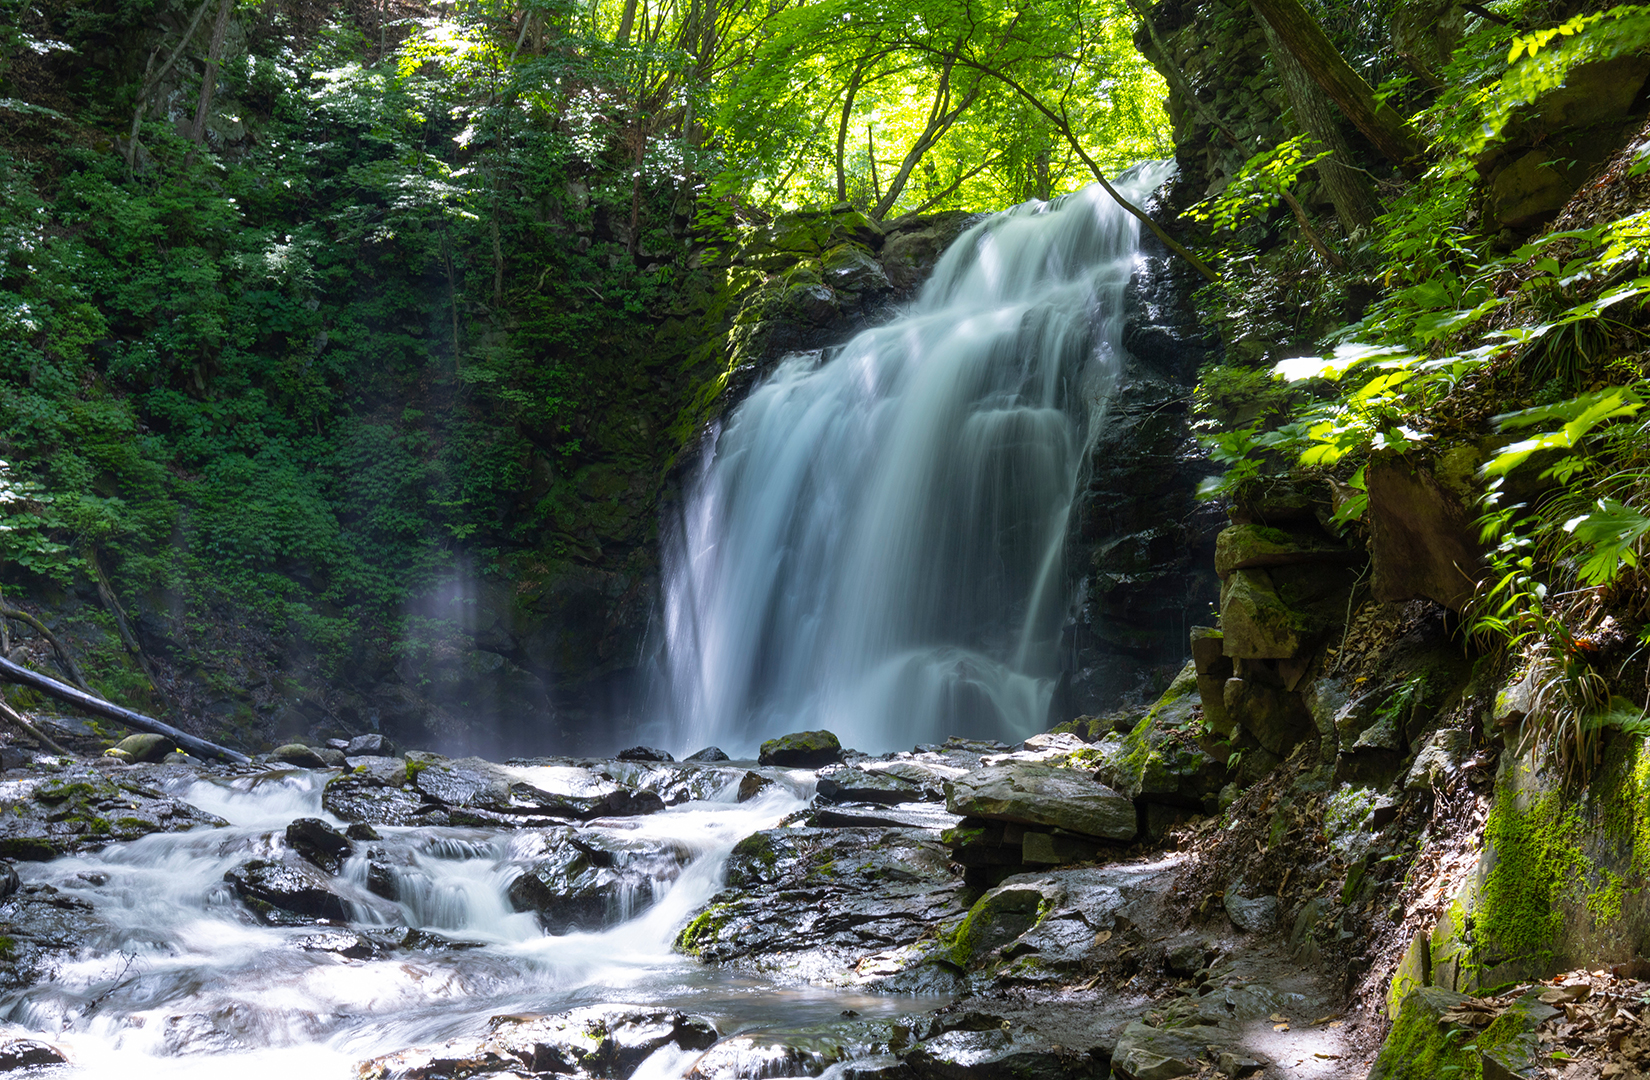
(184, 984)
(874, 543)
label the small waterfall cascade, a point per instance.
(874, 543)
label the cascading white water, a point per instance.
(178, 981)
(874, 542)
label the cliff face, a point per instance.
(1393, 780)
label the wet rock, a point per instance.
(813, 902)
(477, 792)
(373, 795)
(751, 785)
(286, 887)
(45, 817)
(146, 747)
(1145, 1052)
(885, 815)
(601, 1040)
(805, 749)
(1161, 759)
(1258, 915)
(643, 753)
(846, 783)
(47, 929)
(28, 1054)
(1063, 741)
(9, 881)
(360, 830)
(806, 1051)
(850, 268)
(674, 783)
(588, 880)
(1001, 1054)
(346, 943)
(708, 754)
(298, 754)
(910, 252)
(320, 843)
(373, 745)
(1036, 794)
(334, 759)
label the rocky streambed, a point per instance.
(961, 909)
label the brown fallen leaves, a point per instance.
(1602, 1027)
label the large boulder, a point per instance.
(814, 902)
(807, 749)
(146, 747)
(319, 843)
(1032, 793)
(79, 810)
(588, 879)
(286, 891)
(846, 783)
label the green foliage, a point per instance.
(1258, 186)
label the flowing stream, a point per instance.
(874, 544)
(182, 983)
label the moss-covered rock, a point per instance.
(801, 748)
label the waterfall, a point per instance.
(874, 543)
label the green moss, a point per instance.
(1538, 864)
(705, 927)
(28, 848)
(1417, 1048)
(8, 948)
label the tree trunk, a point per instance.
(98, 707)
(150, 82)
(626, 21)
(209, 80)
(842, 130)
(1349, 189)
(940, 119)
(1304, 38)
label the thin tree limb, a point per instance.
(153, 81)
(64, 657)
(21, 722)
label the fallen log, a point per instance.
(95, 705)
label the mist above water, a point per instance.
(875, 541)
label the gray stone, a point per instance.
(708, 754)
(644, 753)
(1145, 1052)
(1184, 960)
(372, 745)
(298, 754)
(846, 783)
(1257, 916)
(1036, 794)
(1255, 622)
(1439, 757)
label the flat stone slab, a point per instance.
(1036, 794)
